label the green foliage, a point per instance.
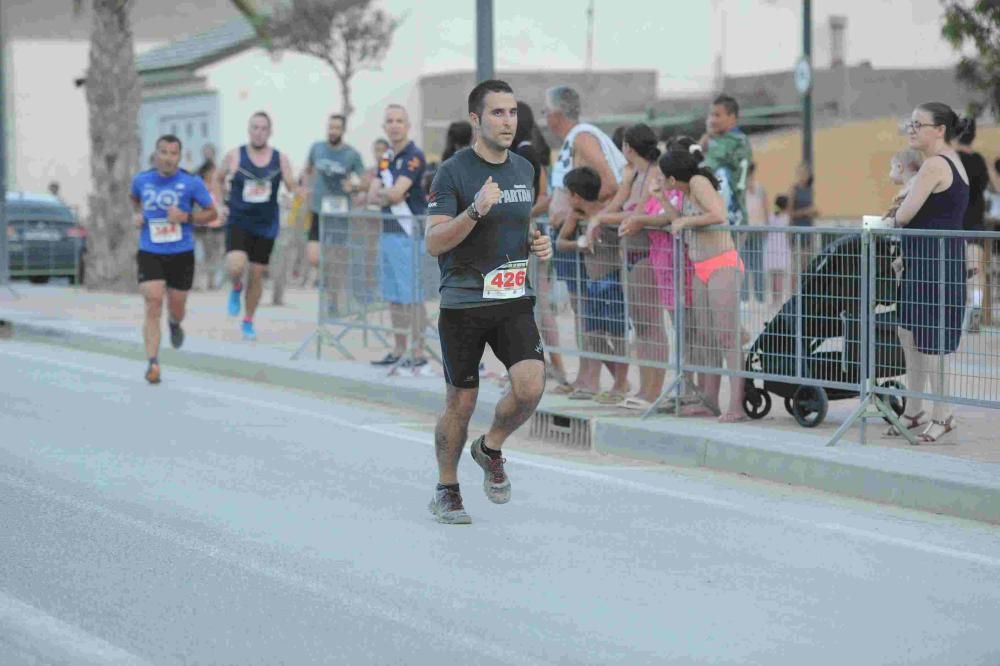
(973, 29)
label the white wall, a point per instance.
(50, 120)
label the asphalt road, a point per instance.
(212, 521)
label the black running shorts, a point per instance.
(509, 329)
(177, 270)
(336, 229)
(257, 248)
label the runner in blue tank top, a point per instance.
(164, 198)
(253, 174)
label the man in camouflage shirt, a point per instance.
(728, 155)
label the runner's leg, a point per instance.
(527, 382)
(152, 293)
(452, 431)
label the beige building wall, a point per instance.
(852, 164)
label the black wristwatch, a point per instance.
(473, 213)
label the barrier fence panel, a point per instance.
(375, 277)
(949, 356)
(804, 315)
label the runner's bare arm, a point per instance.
(287, 174)
(226, 169)
(137, 207)
(445, 233)
(587, 152)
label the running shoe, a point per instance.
(153, 373)
(495, 481)
(176, 335)
(388, 359)
(446, 505)
(247, 328)
(234, 302)
(413, 363)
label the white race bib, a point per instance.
(507, 281)
(333, 205)
(162, 231)
(256, 191)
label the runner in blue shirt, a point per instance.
(164, 199)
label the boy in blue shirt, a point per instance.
(163, 198)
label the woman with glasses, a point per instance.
(932, 298)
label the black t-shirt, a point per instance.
(979, 180)
(501, 237)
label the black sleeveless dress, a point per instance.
(936, 331)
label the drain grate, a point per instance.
(571, 431)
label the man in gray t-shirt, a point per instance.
(479, 228)
(333, 171)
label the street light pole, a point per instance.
(807, 98)
(484, 39)
(4, 256)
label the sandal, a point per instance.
(914, 420)
(609, 398)
(926, 438)
(562, 389)
(581, 394)
(635, 404)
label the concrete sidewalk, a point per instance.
(961, 478)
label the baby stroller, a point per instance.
(832, 348)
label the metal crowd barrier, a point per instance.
(375, 278)
(818, 314)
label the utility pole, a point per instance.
(484, 40)
(590, 36)
(4, 256)
(807, 100)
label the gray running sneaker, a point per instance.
(446, 506)
(495, 481)
(176, 335)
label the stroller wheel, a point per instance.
(809, 405)
(756, 403)
(897, 402)
(788, 407)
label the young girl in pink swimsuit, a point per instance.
(718, 272)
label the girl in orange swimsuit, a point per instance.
(718, 274)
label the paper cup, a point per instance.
(876, 222)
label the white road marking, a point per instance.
(597, 477)
(51, 632)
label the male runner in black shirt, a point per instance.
(479, 228)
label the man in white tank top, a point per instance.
(582, 145)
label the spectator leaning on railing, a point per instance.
(603, 307)
(937, 199)
(640, 149)
(718, 271)
(582, 145)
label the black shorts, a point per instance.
(336, 229)
(177, 270)
(509, 329)
(257, 248)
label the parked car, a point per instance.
(44, 239)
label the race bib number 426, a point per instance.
(507, 281)
(162, 231)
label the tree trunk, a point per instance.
(345, 91)
(113, 98)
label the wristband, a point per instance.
(473, 213)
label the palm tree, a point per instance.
(113, 99)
